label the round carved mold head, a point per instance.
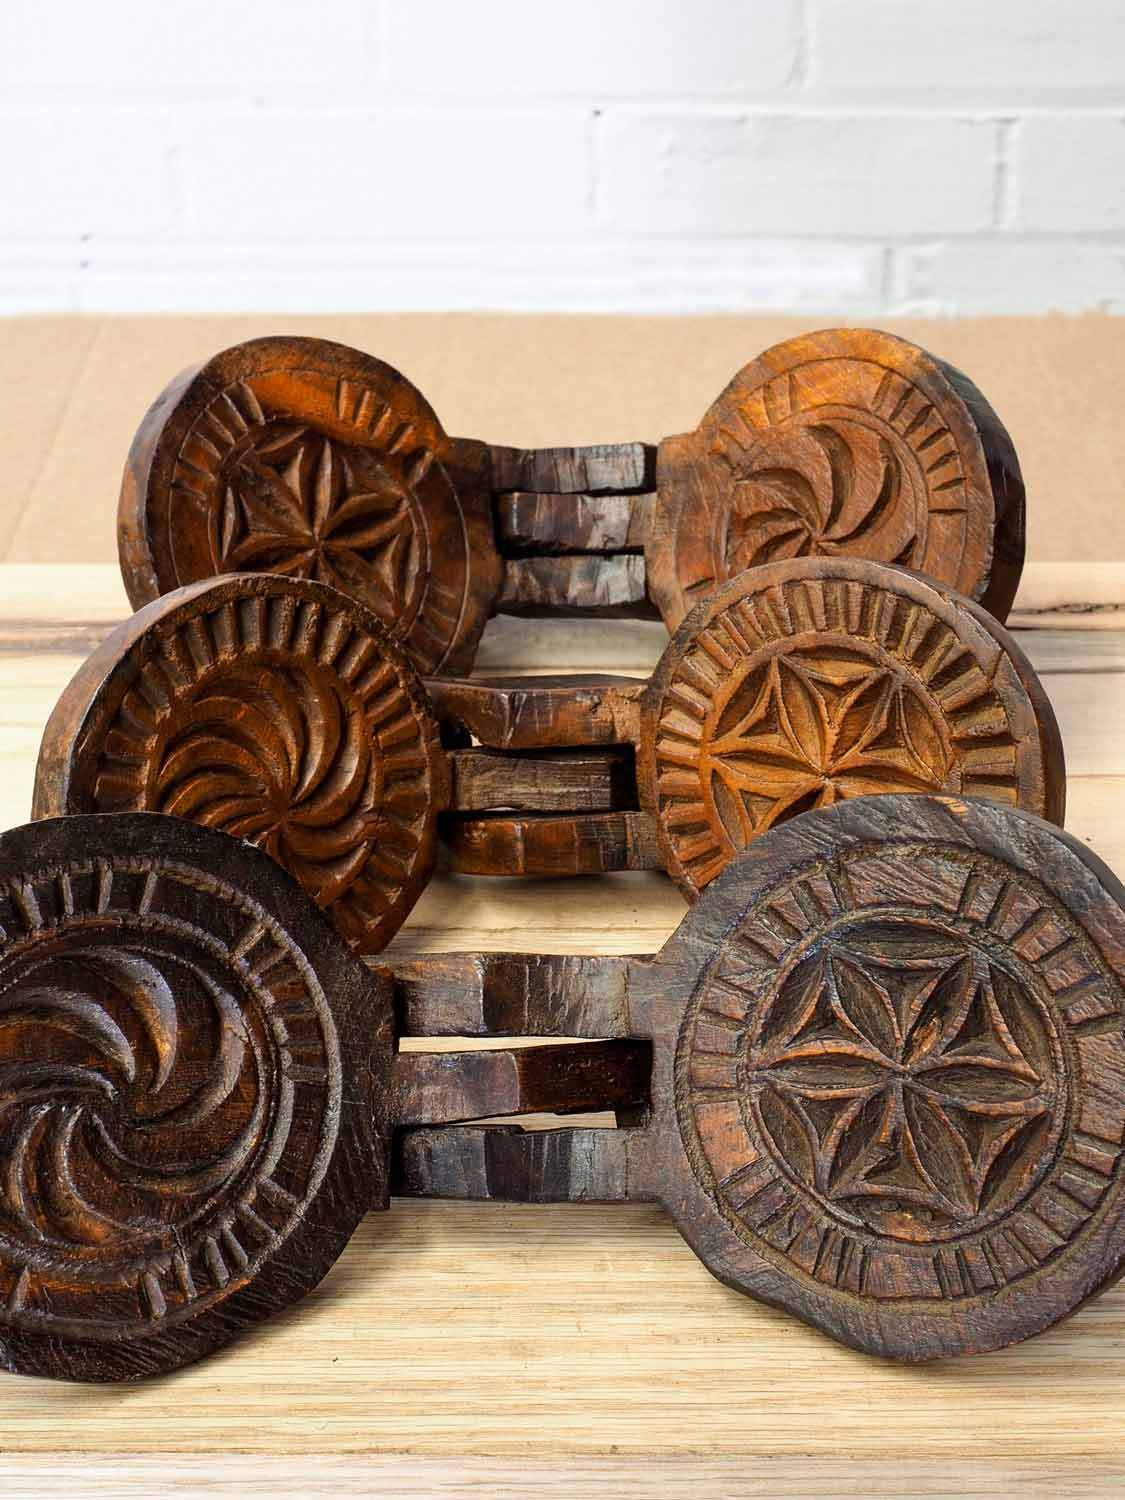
(195, 1074)
(892, 1101)
(273, 709)
(802, 683)
(845, 442)
(306, 458)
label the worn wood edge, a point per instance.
(468, 1477)
(71, 607)
(1070, 596)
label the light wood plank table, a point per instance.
(483, 1350)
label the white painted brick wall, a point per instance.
(806, 174)
(616, 49)
(388, 175)
(1069, 174)
(999, 53)
(834, 157)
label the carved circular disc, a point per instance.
(846, 442)
(194, 1081)
(801, 683)
(306, 458)
(892, 1103)
(278, 711)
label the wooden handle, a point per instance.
(602, 469)
(584, 584)
(593, 780)
(434, 1088)
(512, 994)
(548, 525)
(566, 844)
(535, 713)
(508, 1165)
(302, 457)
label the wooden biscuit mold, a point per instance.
(303, 457)
(278, 710)
(875, 1078)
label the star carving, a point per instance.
(912, 1091)
(821, 490)
(294, 505)
(807, 729)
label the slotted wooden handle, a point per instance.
(581, 780)
(540, 713)
(433, 1088)
(571, 526)
(508, 1165)
(512, 994)
(538, 794)
(552, 846)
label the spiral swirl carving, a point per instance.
(170, 1092)
(136, 1112)
(280, 758)
(842, 443)
(278, 712)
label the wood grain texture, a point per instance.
(439, 1088)
(585, 583)
(844, 442)
(277, 710)
(607, 468)
(804, 682)
(573, 523)
(494, 1164)
(500, 844)
(467, 1478)
(195, 1079)
(305, 457)
(572, 1368)
(558, 781)
(531, 713)
(512, 994)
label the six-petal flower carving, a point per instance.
(295, 505)
(912, 1090)
(807, 729)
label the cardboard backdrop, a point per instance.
(74, 390)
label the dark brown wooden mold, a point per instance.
(308, 458)
(876, 1077)
(305, 457)
(887, 1088)
(277, 710)
(889, 1050)
(843, 442)
(195, 1084)
(806, 681)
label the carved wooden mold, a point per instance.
(306, 458)
(279, 710)
(874, 1078)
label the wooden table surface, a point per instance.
(486, 1350)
